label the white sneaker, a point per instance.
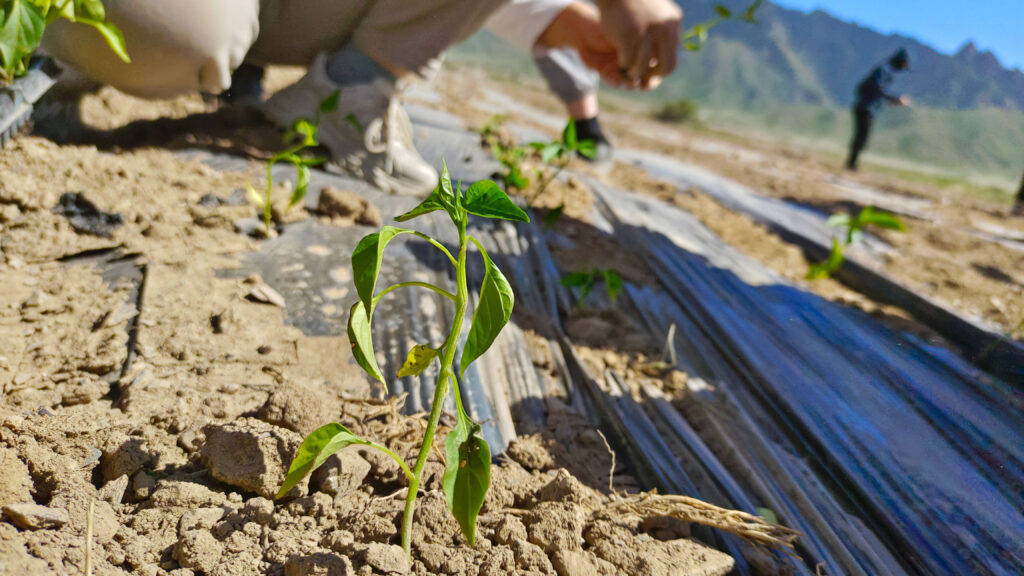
(378, 150)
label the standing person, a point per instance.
(872, 92)
(576, 86)
(366, 49)
(1018, 205)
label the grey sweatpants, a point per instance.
(566, 74)
(182, 46)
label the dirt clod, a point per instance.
(320, 564)
(580, 563)
(250, 454)
(388, 559)
(342, 207)
(113, 491)
(32, 516)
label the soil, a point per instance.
(150, 402)
(941, 255)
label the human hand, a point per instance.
(645, 34)
(904, 101)
(579, 26)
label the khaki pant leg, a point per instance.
(176, 46)
(407, 34)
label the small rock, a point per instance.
(509, 530)
(264, 294)
(563, 488)
(342, 473)
(199, 519)
(114, 490)
(94, 456)
(322, 564)
(251, 455)
(199, 550)
(142, 485)
(387, 558)
(35, 517)
(370, 216)
(529, 451)
(346, 207)
(190, 441)
(124, 455)
(556, 526)
(261, 510)
(84, 391)
(580, 563)
(334, 203)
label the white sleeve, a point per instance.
(521, 22)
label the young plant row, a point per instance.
(468, 458)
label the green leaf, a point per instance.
(723, 11)
(879, 218)
(553, 216)
(431, 204)
(839, 220)
(691, 47)
(360, 336)
(315, 450)
(417, 361)
(444, 190)
(748, 16)
(21, 30)
(578, 279)
(467, 474)
(330, 104)
(551, 151)
(587, 149)
(110, 33)
(91, 9)
(351, 119)
(254, 196)
(301, 185)
(612, 284)
(491, 314)
(366, 260)
(486, 199)
(569, 135)
(516, 179)
(582, 280)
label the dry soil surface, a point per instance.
(164, 461)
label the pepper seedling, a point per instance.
(854, 230)
(557, 153)
(584, 282)
(303, 135)
(468, 458)
(23, 22)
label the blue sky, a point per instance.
(996, 25)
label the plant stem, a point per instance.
(440, 389)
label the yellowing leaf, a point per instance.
(417, 361)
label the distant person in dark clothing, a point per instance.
(1018, 205)
(871, 94)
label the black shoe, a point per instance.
(590, 129)
(246, 86)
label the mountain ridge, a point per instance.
(835, 55)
